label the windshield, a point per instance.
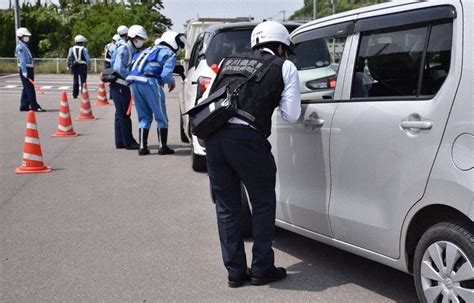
(228, 43)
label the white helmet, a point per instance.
(137, 31)
(22, 31)
(158, 41)
(270, 31)
(174, 40)
(80, 39)
(116, 37)
(122, 30)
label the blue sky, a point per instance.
(181, 10)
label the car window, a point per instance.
(193, 60)
(228, 43)
(390, 61)
(438, 58)
(317, 61)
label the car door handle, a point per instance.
(313, 122)
(424, 124)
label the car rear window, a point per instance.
(228, 43)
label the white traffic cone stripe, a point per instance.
(101, 89)
(101, 97)
(64, 115)
(32, 157)
(30, 125)
(85, 111)
(32, 140)
(63, 103)
(64, 128)
(85, 101)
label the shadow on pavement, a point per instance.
(322, 266)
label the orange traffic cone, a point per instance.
(85, 112)
(64, 124)
(32, 156)
(102, 95)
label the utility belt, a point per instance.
(121, 82)
(27, 65)
(250, 127)
(107, 59)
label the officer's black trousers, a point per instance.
(79, 71)
(236, 154)
(123, 124)
(28, 94)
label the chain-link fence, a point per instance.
(47, 65)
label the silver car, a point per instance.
(383, 165)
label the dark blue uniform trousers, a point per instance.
(28, 94)
(79, 71)
(123, 124)
(236, 154)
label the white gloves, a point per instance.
(25, 74)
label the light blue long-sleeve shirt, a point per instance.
(122, 58)
(85, 55)
(169, 58)
(25, 59)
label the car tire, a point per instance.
(443, 268)
(199, 163)
(246, 216)
(184, 138)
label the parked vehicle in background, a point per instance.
(381, 161)
(211, 46)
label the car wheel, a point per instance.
(444, 260)
(184, 138)
(198, 162)
(246, 214)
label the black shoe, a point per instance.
(277, 274)
(119, 146)
(39, 109)
(165, 150)
(24, 109)
(133, 146)
(238, 281)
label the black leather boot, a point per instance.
(162, 141)
(143, 134)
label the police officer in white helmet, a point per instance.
(109, 50)
(240, 153)
(78, 61)
(26, 69)
(119, 89)
(122, 31)
(151, 70)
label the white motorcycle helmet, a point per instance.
(270, 31)
(116, 38)
(22, 31)
(80, 39)
(122, 30)
(137, 31)
(174, 40)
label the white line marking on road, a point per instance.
(63, 87)
(11, 86)
(46, 87)
(8, 76)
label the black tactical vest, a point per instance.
(260, 96)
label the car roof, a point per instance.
(240, 26)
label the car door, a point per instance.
(385, 136)
(302, 150)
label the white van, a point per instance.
(383, 167)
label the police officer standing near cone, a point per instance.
(109, 49)
(119, 89)
(25, 65)
(151, 70)
(78, 61)
(239, 151)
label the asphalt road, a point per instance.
(109, 226)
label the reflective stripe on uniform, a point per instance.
(122, 82)
(78, 55)
(137, 78)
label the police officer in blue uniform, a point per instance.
(151, 70)
(119, 89)
(78, 61)
(109, 49)
(122, 31)
(239, 151)
(25, 65)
